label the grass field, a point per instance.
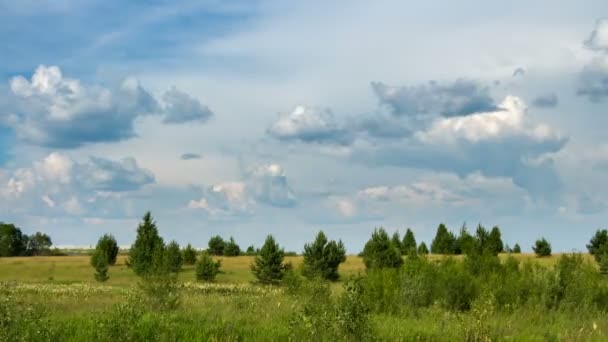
(56, 298)
(236, 270)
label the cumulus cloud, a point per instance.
(268, 184)
(593, 82)
(462, 97)
(309, 124)
(60, 112)
(58, 182)
(181, 107)
(598, 38)
(190, 156)
(224, 200)
(548, 100)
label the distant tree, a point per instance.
(516, 249)
(101, 268)
(106, 247)
(173, 257)
(231, 248)
(11, 240)
(379, 251)
(409, 242)
(508, 249)
(189, 255)
(216, 245)
(322, 258)
(396, 241)
(423, 249)
(39, 244)
(598, 245)
(268, 266)
(495, 244)
(206, 269)
(443, 242)
(466, 241)
(251, 250)
(148, 247)
(482, 240)
(542, 248)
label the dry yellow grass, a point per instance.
(76, 269)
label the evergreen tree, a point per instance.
(495, 244)
(542, 248)
(251, 250)
(443, 242)
(101, 268)
(516, 249)
(482, 238)
(598, 244)
(396, 241)
(173, 257)
(322, 258)
(148, 244)
(189, 255)
(423, 249)
(206, 269)
(231, 248)
(379, 251)
(268, 266)
(409, 242)
(466, 241)
(106, 247)
(216, 245)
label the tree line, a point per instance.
(13, 242)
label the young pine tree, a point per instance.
(516, 249)
(231, 248)
(146, 245)
(379, 251)
(443, 242)
(598, 244)
(466, 241)
(396, 241)
(106, 247)
(206, 269)
(322, 258)
(173, 257)
(542, 248)
(495, 244)
(268, 266)
(409, 242)
(101, 269)
(189, 255)
(423, 249)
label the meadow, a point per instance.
(50, 298)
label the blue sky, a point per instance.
(249, 118)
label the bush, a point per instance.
(322, 258)
(231, 248)
(206, 269)
(268, 266)
(542, 248)
(106, 247)
(216, 245)
(379, 251)
(101, 268)
(147, 243)
(173, 257)
(189, 255)
(459, 288)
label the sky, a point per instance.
(249, 118)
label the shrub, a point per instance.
(231, 248)
(268, 266)
(106, 247)
(146, 244)
(173, 257)
(459, 288)
(189, 255)
(216, 245)
(206, 269)
(322, 258)
(409, 242)
(422, 249)
(101, 268)
(379, 251)
(542, 248)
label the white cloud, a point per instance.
(598, 38)
(309, 124)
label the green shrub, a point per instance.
(189, 255)
(206, 269)
(542, 248)
(379, 252)
(322, 258)
(268, 266)
(459, 287)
